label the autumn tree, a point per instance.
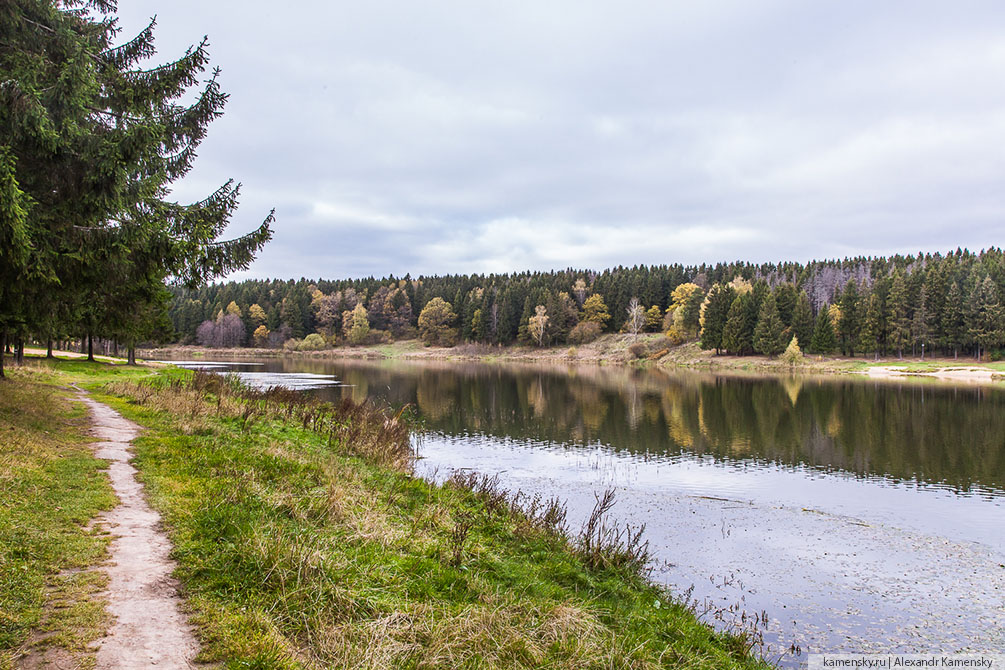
(257, 315)
(538, 325)
(595, 309)
(579, 290)
(436, 323)
(654, 318)
(636, 320)
(356, 324)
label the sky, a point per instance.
(441, 137)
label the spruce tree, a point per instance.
(848, 327)
(802, 318)
(738, 333)
(986, 317)
(769, 338)
(785, 299)
(899, 324)
(93, 142)
(717, 305)
(868, 337)
(823, 341)
(953, 320)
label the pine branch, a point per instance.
(136, 49)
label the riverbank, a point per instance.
(615, 349)
(303, 540)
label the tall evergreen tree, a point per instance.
(717, 305)
(953, 320)
(769, 337)
(848, 327)
(802, 319)
(93, 143)
(738, 333)
(823, 341)
(868, 337)
(985, 317)
(899, 323)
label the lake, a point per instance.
(839, 514)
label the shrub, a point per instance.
(793, 355)
(638, 349)
(584, 332)
(313, 342)
(675, 336)
(292, 344)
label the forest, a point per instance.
(894, 305)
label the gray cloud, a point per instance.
(465, 137)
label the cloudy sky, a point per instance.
(480, 136)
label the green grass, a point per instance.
(294, 553)
(51, 487)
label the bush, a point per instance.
(793, 355)
(584, 332)
(378, 337)
(675, 336)
(292, 344)
(638, 349)
(313, 342)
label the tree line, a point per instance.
(91, 139)
(864, 305)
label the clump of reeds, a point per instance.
(604, 545)
(601, 544)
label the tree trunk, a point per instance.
(48, 349)
(115, 348)
(132, 355)
(90, 348)
(20, 351)
(3, 351)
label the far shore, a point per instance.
(614, 350)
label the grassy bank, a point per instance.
(303, 541)
(617, 349)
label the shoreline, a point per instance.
(614, 350)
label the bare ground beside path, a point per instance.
(150, 629)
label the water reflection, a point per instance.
(951, 437)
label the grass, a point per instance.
(303, 541)
(51, 487)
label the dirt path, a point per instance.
(150, 629)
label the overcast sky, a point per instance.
(438, 137)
